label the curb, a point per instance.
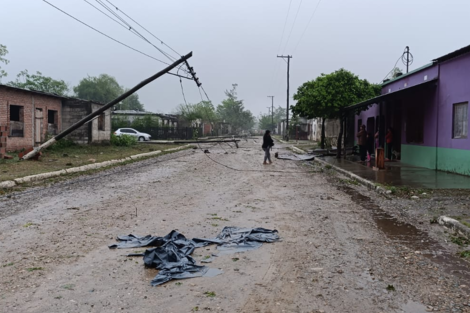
(83, 168)
(454, 225)
(359, 179)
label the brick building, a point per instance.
(30, 116)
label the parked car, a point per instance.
(132, 132)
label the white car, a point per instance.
(132, 132)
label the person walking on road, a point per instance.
(362, 142)
(268, 143)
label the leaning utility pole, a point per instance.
(288, 57)
(101, 110)
(272, 112)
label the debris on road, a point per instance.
(295, 157)
(172, 255)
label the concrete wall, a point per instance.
(97, 135)
(454, 87)
(30, 101)
(73, 111)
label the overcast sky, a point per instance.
(234, 42)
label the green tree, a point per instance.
(40, 82)
(203, 112)
(105, 88)
(265, 121)
(3, 53)
(131, 103)
(329, 94)
(232, 111)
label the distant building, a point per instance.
(131, 115)
(31, 116)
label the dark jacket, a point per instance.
(362, 138)
(268, 142)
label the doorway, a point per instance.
(38, 126)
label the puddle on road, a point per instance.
(411, 237)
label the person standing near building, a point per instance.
(268, 143)
(362, 142)
(389, 141)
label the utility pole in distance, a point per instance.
(272, 112)
(288, 57)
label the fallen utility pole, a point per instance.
(159, 142)
(101, 110)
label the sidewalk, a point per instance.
(398, 174)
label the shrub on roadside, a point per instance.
(61, 144)
(123, 140)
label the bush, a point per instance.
(61, 144)
(123, 140)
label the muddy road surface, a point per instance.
(337, 253)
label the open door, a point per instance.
(38, 126)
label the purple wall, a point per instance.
(412, 80)
(454, 87)
(373, 111)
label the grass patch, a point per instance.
(69, 286)
(214, 224)
(465, 254)
(178, 283)
(390, 288)
(8, 264)
(235, 259)
(32, 269)
(210, 294)
(207, 257)
(71, 156)
(28, 224)
(328, 167)
(461, 241)
(465, 223)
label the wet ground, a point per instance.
(343, 249)
(399, 174)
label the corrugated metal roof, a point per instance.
(388, 95)
(407, 74)
(452, 55)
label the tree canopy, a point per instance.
(203, 111)
(105, 88)
(265, 120)
(3, 53)
(40, 82)
(325, 96)
(328, 94)
(232, 111)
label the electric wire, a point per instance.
(306, 27)
(100, 32)
(134, 31)
(292, 28)
(109, 37)
(161, 41)
(403, 59)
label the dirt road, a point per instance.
(335, 255)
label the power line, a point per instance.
(115, 40)
(134, 31)
(161, 41)
(306, 27)
(292, 28)
(105, 14)
(284, 28)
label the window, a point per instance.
(52, 117)
(460, 124)
(415, 125)
(16, 121)
(101, 122)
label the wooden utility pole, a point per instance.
(288, 57)
(101, 110)
(272, 112)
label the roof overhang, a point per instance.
(391, 95)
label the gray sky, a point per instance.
(233, 42)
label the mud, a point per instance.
(335, 255)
